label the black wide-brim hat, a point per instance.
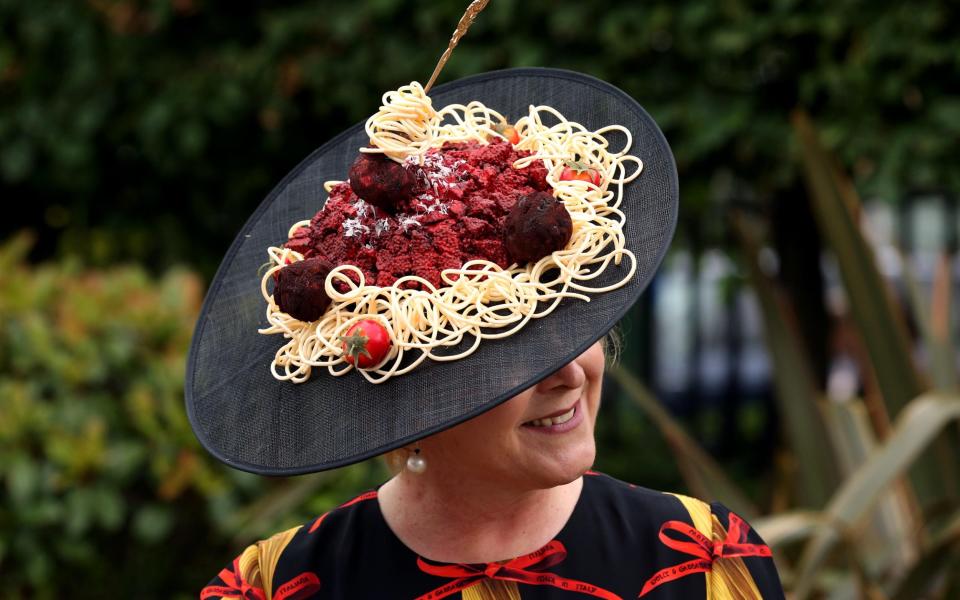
(253, 422)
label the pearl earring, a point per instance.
(416, 463)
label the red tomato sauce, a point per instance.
(465, 192)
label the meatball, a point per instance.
(537, 225)
(300, 292)
(381, 181)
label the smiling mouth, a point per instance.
(557, 419)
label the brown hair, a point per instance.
(612, 344)
(395, 460)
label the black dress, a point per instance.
(621, 541)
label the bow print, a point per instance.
(529, 569)
(705, 550)
(236, 586)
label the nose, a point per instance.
(571, 375)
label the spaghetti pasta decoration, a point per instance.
(447, 318)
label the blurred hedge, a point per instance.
(149, 129)
(104, 491)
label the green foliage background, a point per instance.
(106, 492)
(149, 129)
(145, 132)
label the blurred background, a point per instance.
(794, 358)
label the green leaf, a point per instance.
(15, 249)
(891, 539)
(786, 528)
(81, 510)
(918, 425)
(797, 395)
(111, 508)
(152, 523)
(933, 319)
(23, 480)
(837, 207)
(939, 559)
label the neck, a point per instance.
(458, 518)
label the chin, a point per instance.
(570, 467)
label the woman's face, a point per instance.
(541, 438)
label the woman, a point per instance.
(495, 498)
(499, 486)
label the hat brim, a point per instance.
(251, 421)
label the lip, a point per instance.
(562, 411)
(573, 423)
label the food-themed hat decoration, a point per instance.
(465, 257)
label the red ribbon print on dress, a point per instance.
(301, 586)
(236, 586)
(360, 498)
(527, 569)
(704, 549)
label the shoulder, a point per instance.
(679, 530)
(626, 517)
(610, 494)
(252, 571)
(742, 547)
(350, 512)
(286, 564)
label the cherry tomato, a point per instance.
(366, 344)
(508, 131)
(577, 171)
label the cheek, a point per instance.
(592, 362)
(593, 394)
(487, 432)
(504, 416)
